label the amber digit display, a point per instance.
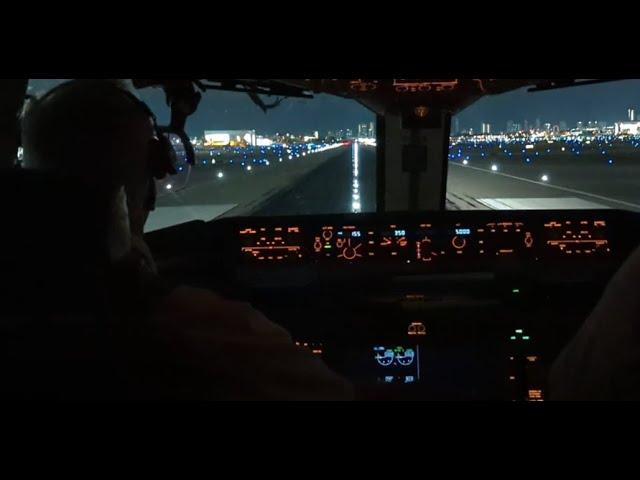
(582, 237)
(505, 238)
(271, 244)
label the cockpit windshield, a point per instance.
(568, 148)
(571, 148)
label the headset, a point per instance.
(162, 157)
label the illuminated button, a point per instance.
(421, 111)
(385, 242)
(528, 240)
(535, 394)
(414, 296)
(417, 328)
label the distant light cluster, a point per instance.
(497, 152)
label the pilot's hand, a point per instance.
(245, 355)
(602, 362)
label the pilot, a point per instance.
(602, 361)
(97, 134)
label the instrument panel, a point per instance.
(424, 242)
(403, 299)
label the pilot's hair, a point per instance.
(81, 130)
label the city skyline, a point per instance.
(608, 102)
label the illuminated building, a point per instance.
(366, 130)
(232, 138)
(627, 128)
(510, 126)
(631, 114)
(310, 138)
(263, 142)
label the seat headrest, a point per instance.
(53, 235)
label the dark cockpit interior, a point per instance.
(413, 296)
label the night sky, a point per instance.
(604, 102)
(226, 110)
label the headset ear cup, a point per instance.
(169, 157)
(162, 157)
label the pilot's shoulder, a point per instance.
(201, 308)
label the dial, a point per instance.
(350, 249)
(459, 242)
(425, 251)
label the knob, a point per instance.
(458, 242)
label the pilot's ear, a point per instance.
(30, 104)
(119, 230)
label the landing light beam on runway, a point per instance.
(355, 193)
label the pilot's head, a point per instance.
(93, 132)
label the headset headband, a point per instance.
(145, 108)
